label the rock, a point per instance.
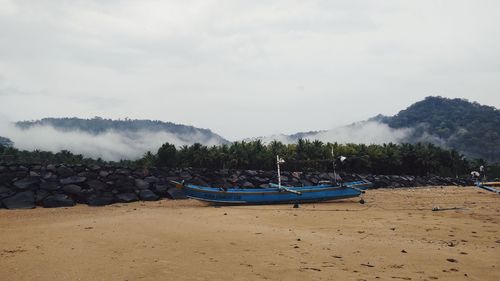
(58, 200)
(73, 180)
(161, 189)
(103, 174)
(65, 172)
(247, 184)
(305, 182)
(72, 189)
(125, 172)
(124, 184)
(40, 195)
(51, 168)
(101, 199)
(6, 178)
(251, 173)
(21, 200)
(176, 193)
(27, 183)
(34, 174)
(126, 197)
(185, 176)
(50, 186)
(148, 195)
(152, 179)
(141, 184)
(48, 176)
(5, 192)
(97, 185)
(94, 168)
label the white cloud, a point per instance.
(245, 68)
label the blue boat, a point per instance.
(275, 194)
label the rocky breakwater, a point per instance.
(28, 186)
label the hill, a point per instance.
(467, 127)
(97, 126)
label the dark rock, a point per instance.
(247, 184)
(148, 195)
(161, 189)
(58, 200)
(27, 183)
(50, 186)
(141, 184)
(305, 182)
(97, 185)
(65, 172)
(48, 176)
(5, 192)
(123, 172)
(251, 173)
(51, 168)
(185, 176)
(176, 193)
(103, 174)
(21, 200)
(72, 189)
(126, 197)
(94, 168)
(152, 179)
(73, 180)
(40, 195)
(88, 175)
(6, 178)
(124, 184)
(101, 199)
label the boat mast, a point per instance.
(334, 173)
(278, 161)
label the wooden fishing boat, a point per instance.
(275, 194)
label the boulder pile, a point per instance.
(28, 186)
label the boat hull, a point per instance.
(274, 195)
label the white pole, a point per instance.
(279, 173)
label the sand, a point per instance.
(394, 236)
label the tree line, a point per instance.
(396, 159)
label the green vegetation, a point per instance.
(398, 159)
(470, 128)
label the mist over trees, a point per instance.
(395, 159)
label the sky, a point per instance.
(244, 68)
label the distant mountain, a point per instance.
(467, 127)
(96, 126)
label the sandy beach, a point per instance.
(394, 236)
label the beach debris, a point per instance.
(367, 265)
(296, 205)
(437, 208)
(451, 260)
(404, 251)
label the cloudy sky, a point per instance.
(244, 68)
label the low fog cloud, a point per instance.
(110, 145)
(369, 132)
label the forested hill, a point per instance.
(99, 125)
(467, 127)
